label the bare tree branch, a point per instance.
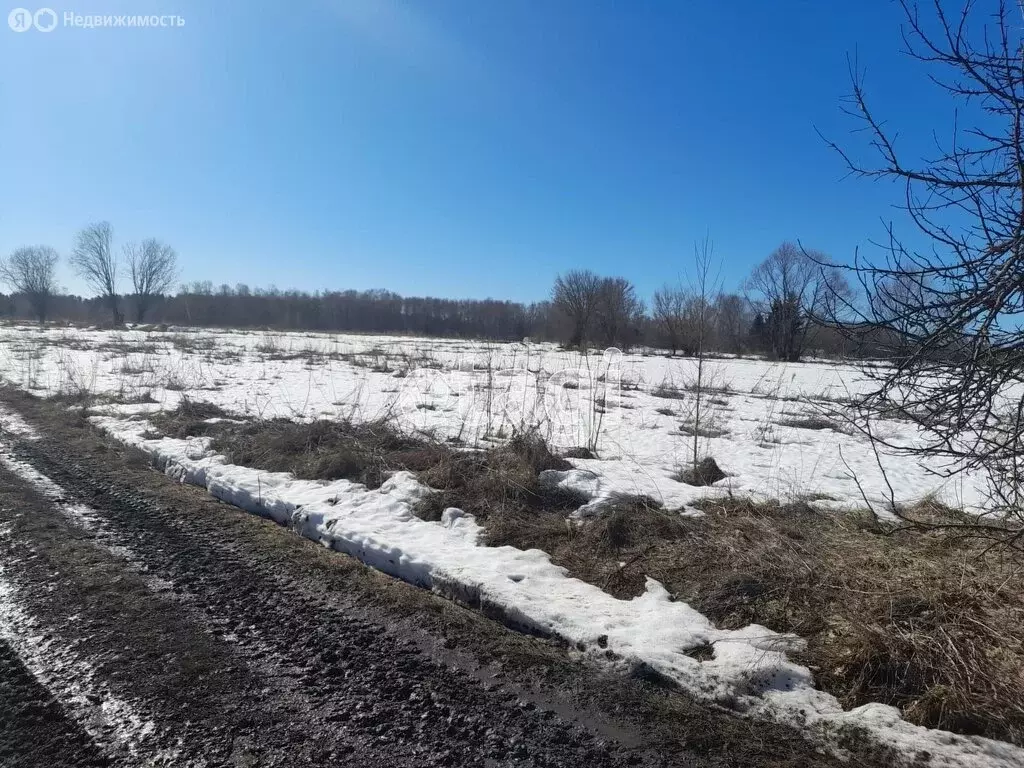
(949, 318)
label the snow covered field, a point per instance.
(477, 391)
(627, 408)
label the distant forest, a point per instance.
(778, 314)
(732, 327)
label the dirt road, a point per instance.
(144, 623)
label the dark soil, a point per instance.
(34, 730)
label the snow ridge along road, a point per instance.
(231, 642)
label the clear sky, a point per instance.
(452, 147)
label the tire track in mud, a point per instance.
(267, 683)
(35, 731)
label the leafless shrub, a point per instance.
(577, 293)
(619, 313)
(669, 313)
(792, 286)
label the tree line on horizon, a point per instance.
(31, 273)
(772, 315)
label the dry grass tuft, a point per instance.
(327, 450)
(579, 452)
(706, 472)
(189, 419)
(812, 421)
(499, 484)
(607, 551)
(708, 428)
(669, 392)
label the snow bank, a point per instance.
(749, 671)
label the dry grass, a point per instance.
(704, 472)
(811, 421)
(914, 619)
(189, 419)
(485, 483)
(669, 392)
(579, 452)
(500, 486)
(326, 450)
(708, 386)
(629, 528)
(707, 427)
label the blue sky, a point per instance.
(453, 147)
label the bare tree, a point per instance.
(94, 260)
(619, 311)
(32, 271)
(577, 293)
(951, 315)
(153, 269)
(733, 321)
(790, 287)
(703, 254)
(669, 314)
